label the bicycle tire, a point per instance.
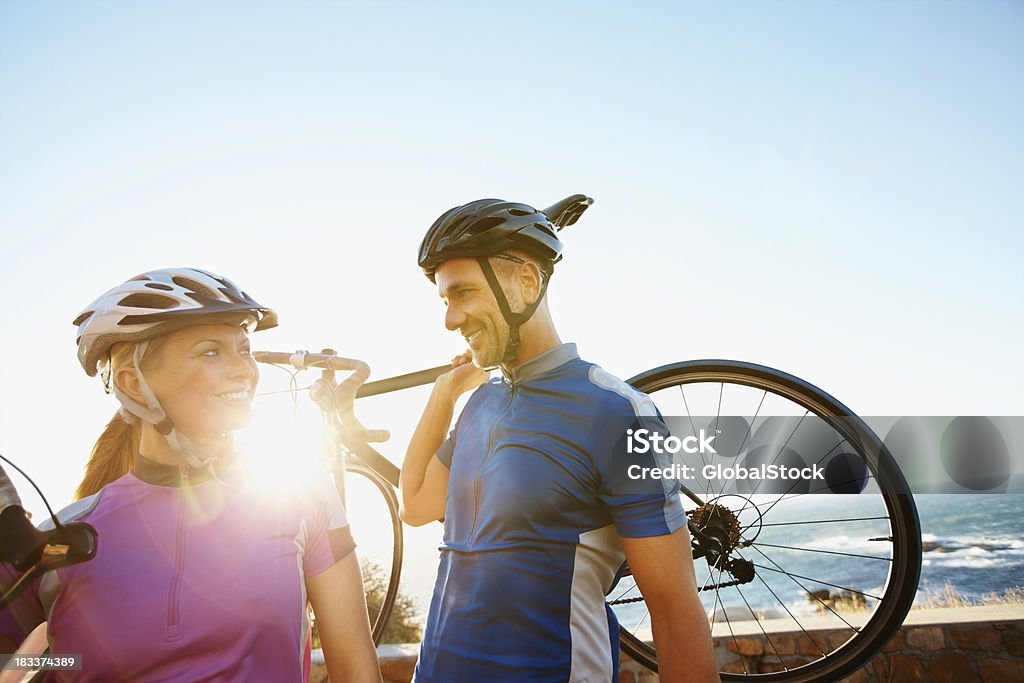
(863, 642)
(380, 613)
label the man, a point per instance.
(534, 530)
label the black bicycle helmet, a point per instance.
(488, 227)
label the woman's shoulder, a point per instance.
(84, 508)
(75, 512)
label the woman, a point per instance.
(196, 578)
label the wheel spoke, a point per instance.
(782, 448)
(795, 481)
(728, 623)
(816, 550)
(718, 415)
(825, 521)
(618, 597)
(693, 429)
(793, 577)
(790, 613)
(640, 623)
(763, 632)
(823, 583)
(783, 498)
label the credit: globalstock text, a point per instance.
(733, 473)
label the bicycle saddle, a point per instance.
(567, 211)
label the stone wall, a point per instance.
(972, 645)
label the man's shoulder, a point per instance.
(611, 391)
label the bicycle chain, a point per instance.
(702, 516)
(727, 584)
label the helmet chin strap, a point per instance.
(194, 455)
(514, 320)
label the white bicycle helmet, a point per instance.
(158, 302)
(152, 304)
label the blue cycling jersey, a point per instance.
(532, 527)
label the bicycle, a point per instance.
(732, 532)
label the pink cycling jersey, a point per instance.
(194, 579)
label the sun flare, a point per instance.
(281, 456)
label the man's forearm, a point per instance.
(428, 437)
(685, 650)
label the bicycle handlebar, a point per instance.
(300, 360)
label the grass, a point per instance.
(940, 598)
(948, 596)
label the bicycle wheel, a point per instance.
(372, 507)
(811, 583)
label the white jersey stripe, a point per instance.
(598, 556)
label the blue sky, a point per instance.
(827, 188)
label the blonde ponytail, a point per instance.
(112, 456)
(114, 453)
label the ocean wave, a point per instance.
(930, 543)
(968, 563)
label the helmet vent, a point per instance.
(159, 285)
(143, 300)
(518, 212)
(194, 287)
(485, 224)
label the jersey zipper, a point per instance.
(487, 454)
(173, 631)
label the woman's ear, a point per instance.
(127, 380)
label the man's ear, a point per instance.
(127, 380)
(531, 280)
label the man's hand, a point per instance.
(463, 377)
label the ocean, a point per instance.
(973, 542)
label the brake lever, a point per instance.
(66, 545)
